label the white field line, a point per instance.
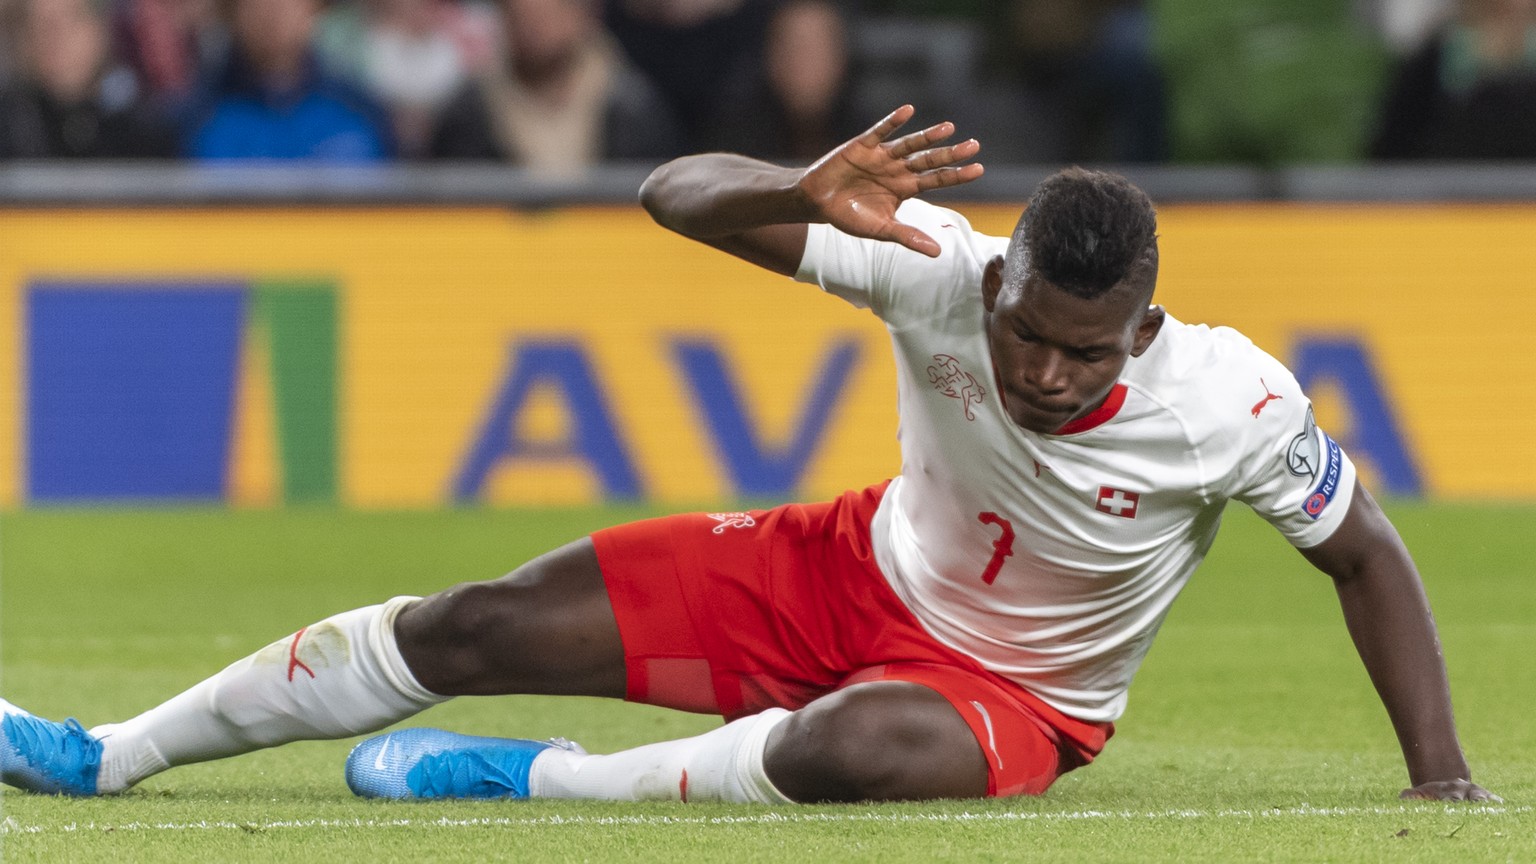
(11, 826)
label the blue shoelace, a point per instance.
(64, 756)
(462, 774)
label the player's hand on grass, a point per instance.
(1449, 790)
(858, 186)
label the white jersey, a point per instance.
(1053, 558)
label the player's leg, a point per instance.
(545, 628)
(724, 764)
(334, 678)
(880, 741)
(899, 731)
(886, 740)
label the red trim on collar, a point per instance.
(1098, 416)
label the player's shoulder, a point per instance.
(960, 243)
(1184, 351)
(1215, 378)
(903, 287)
(908, 287)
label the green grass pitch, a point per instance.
(1252, 734)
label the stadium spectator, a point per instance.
(795, 104)
(692, 50)
(1055, 81)
(171, 45)
(1080, 83)
(1405, 24)
(968, 628)
(273, 100)
(1470, 93)
(68, 98)
(561, 98)
(412, 56)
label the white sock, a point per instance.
(341, 677)
(725, 764)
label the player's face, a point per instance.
(1056, 355)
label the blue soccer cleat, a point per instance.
(435, 763)
(43, 756)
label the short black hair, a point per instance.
(1085, 232)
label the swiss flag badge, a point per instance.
(1117, 502)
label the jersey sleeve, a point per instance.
(896, 283)
(1288, 469)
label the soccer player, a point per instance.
(968, 628)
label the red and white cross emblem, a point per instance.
(737, 519)
(1117, 502)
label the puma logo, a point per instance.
(294, 663)
(1268, 398)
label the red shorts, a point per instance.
(734, 613)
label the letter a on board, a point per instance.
(594, 437)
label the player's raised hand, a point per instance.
(857, 187)
(1449, 790)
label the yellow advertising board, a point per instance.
(428, 357)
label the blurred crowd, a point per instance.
(560, 85)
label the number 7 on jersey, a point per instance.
(1002, 547)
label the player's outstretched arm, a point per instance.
(759, 211)
(1389, 619)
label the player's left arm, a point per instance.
(1389, 619)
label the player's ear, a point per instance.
(991, 282)
(1147, 330)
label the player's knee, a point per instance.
(546, 627)
(450, 639)
(877, 743)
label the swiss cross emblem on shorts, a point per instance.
(731, 520)
(1117, 502)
